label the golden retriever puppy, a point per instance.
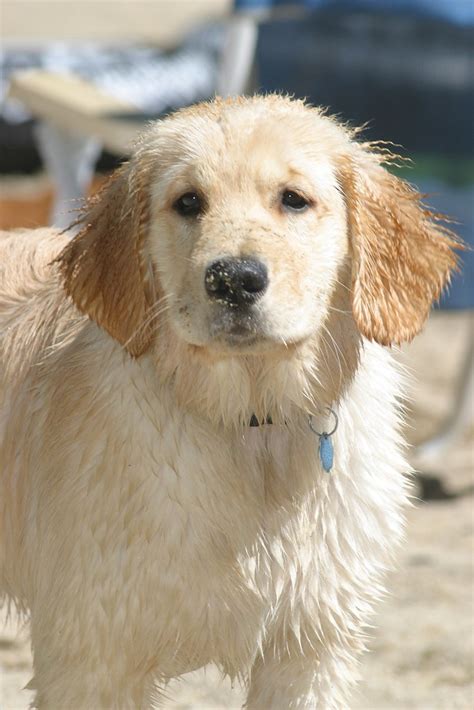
(199, 434)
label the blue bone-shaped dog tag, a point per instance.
(326, 452)
(326, 448)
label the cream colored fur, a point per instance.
(144, 526)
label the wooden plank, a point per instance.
(77, 106)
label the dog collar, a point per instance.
(254, 421)
(326, 446)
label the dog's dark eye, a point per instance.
(188, 205)
(293, 200)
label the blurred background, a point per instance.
(80, 78)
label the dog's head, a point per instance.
(236, 221)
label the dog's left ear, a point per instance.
(402, 255)
(104, 267)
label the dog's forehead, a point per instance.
(246, 140)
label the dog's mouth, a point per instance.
(237, 329)
(241, 339)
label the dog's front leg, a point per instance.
(317, 679)
(79, 689)
(88, 681)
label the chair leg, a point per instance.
(239, 54)
(460, 419)
(70, 160)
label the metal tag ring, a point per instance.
(324, 433)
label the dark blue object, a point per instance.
(456, 202)
(457, 11)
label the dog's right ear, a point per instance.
(104, 267)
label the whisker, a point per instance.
(156, 310)
(332, 346)
(338, 310)
(336, 345)
(345, 286)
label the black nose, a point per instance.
(236, 281)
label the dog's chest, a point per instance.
(203, 517)
(208, 497)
